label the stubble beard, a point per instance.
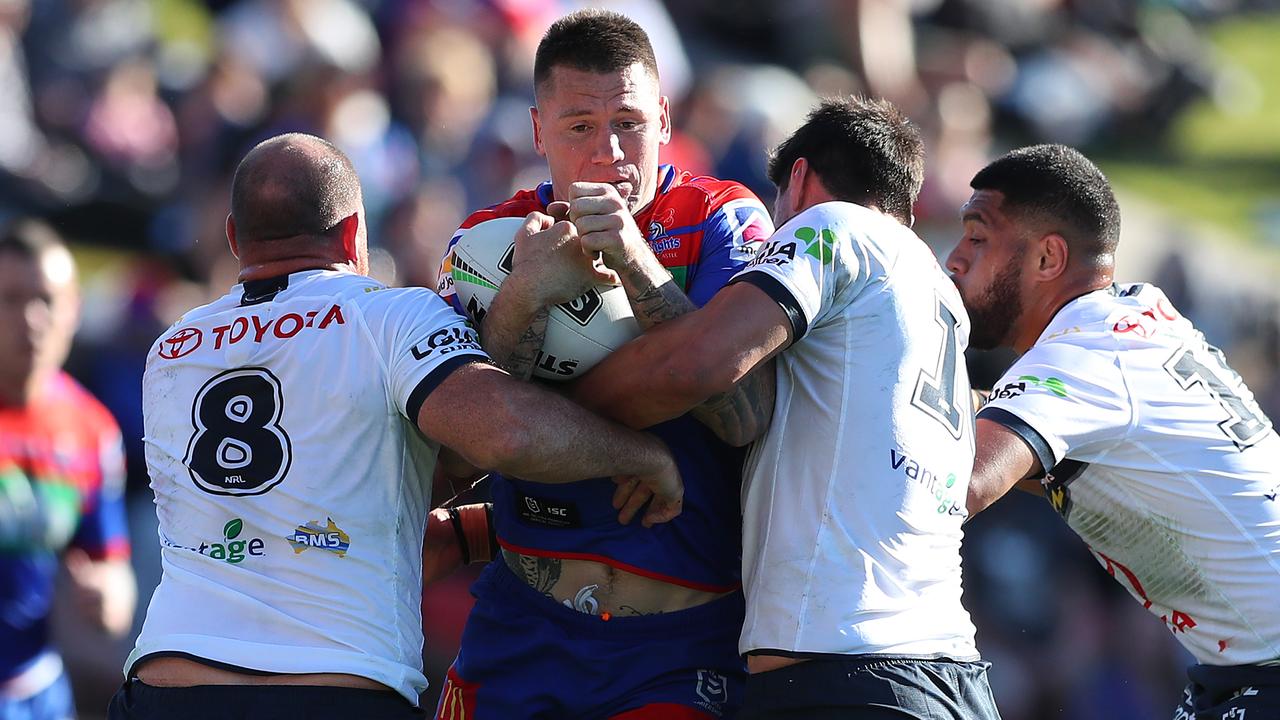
(993, 315)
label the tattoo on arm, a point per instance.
(516, 355)
(521, 360)
(744, 413)
(539, 573)
(660, 302)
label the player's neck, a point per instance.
(1049, 303)
(283, 256)
(21, 392)
(276, 268)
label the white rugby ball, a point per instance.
(579, 333)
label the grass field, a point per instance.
(1220, 162)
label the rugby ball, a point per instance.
(579, 333)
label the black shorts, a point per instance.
(136, 700)
(871, 687)
(1232, 692)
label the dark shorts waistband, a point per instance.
(136, 700)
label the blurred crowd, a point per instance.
(122, 121)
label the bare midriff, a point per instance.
(596, 588)
(765, 663)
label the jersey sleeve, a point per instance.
(103, 530)
(732, 235)
(802, 266)
(423, 340)
(1063, 399)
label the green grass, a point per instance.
(1220, 166)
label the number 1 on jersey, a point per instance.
(936, 393)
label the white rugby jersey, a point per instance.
(291, 485)
(1160, 459)
(854, 498)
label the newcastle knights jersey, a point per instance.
(1159, 458)
(703, 230)
(61, 485)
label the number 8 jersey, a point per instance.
(292, 484)
(853, 500)
(1159, 458)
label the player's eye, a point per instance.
(579, 128)
(628, 125)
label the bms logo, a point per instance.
(312, 535)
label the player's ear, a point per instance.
(537, 131)
(231, 237)
(1054, 255)
(664, 123)
(349, 232)
(800, 173)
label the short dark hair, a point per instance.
(293, 185)
(1058, 185)
(29, 239)
(864, 151)
(597, 41)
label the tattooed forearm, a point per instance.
(539, 573)
(520, 361)
(744, 413)
(656, 303)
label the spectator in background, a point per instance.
(61, 476)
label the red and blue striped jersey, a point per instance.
(703, 230)
(61, 484)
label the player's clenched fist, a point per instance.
(549, 263)
(605, 225)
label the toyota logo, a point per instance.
(183, 342)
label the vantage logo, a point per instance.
(939, 487)
(231, 550)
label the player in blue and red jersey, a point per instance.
(61, 476)
(584, 616)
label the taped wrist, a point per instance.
(473, 528)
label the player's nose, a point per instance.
(607, 149)
(956, 263)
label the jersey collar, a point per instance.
(666, 178)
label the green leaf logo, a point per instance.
(1052, 384)
(232, 529)
(820, 246)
